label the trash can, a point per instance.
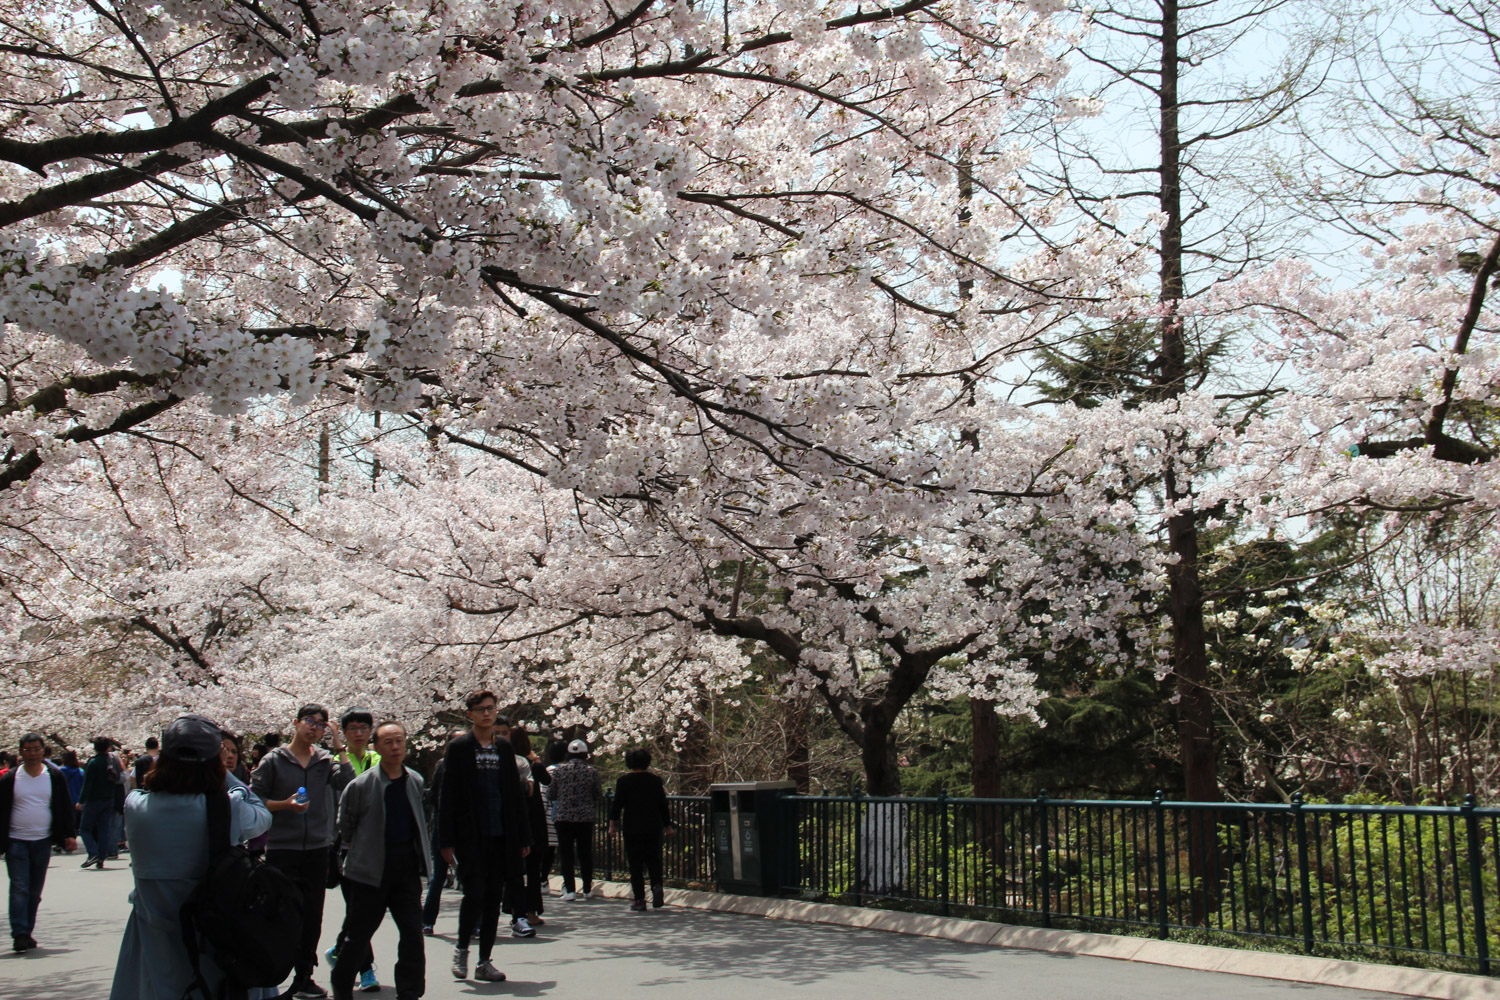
(754, 843)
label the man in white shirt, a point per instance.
(35, 810)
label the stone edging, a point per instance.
(1205, 958)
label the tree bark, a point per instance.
(986, 762)
(798, 750)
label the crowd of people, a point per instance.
(337, 804)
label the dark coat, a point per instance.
(64, 822)
(458, 823)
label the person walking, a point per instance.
(357, 726)
(167, 822)
(576, 791)
(442, 872)
(536, 874)
(74, 773)
(385, 832)
(35, 811)
(515, 902)
(483, 826)
(640, 811)
(298, 783)
(96, 802)
(144, 763)
(557, 752)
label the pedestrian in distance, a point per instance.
(96, 801)
(539, 861)
(36, 811)
(483, 826)
(442, 873)
(516, 900)
(144, 762)
(168, 823)
(298, 783)
(576, 791)
(640, 812)
(385, 831)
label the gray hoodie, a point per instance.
(279, 775)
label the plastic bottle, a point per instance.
(301, 797)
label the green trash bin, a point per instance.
(754, 847)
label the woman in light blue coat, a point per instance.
(167, 825)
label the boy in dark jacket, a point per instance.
(484, 826)
(640, 808)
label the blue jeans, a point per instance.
(26, 864)
(96, 825)
(435, 886)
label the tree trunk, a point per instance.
(878, 754)
(798, 751)
(986, 763)
(695, 767)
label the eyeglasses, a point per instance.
(313, 723)
(356, 727)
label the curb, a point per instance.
(1203, 958)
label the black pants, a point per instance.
(643, 851)
(434, 902)
(538, 864)
(309, 869)
(576, 839)
(400, 891)
(481, 865)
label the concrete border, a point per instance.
(1204, 958)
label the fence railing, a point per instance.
(1419, 884)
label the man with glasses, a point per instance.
(302, 825)
(483, 825)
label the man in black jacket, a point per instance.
(483, 826)
(35, 810)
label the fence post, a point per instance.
(1161, 864)
(859, 861)
(1043, 847)
(1476, 884)
(943, 858)
(1299, 820)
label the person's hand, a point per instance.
(295, 806)
(335, 734)
(70, 844)
(611, 828)
(447, 854)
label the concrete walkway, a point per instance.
(598, 950)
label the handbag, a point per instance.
(335, 863)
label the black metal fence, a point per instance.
(1419, 885)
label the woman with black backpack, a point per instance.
(167, 824)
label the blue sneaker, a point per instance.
(367, 981)
(332, 954)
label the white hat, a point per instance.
(578, 746)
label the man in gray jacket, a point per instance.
(302, 825)
(385, 830)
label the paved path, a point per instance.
(598, 950)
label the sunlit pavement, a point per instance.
(599, 950)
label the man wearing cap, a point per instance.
(384, 828)
(35, 811)
(302, 829)
(483, 825)
(576, 791)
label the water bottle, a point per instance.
(301, 797)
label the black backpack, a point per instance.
(246, 915)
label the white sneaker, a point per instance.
(521, 927)
(568, 897)
(460, 963)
